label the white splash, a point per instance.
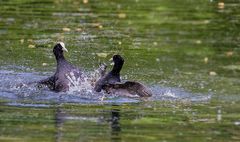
(169, 93)
(85, 83)
(82, 84)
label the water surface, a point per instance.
(187, 52)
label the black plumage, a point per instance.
(111, 82)
(111, 77)
(129, 88)
(66, 74)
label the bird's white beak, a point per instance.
(65, 49)
(63, 46)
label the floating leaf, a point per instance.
(66, 29)
(122, 15)
(85, 1)
(212, 73)
(21, 41)
(221, 5)
(206, 60)
(31, 46)
(103, 55)
(100, 26)
(78, 29)
(44, 64)
(229, 53)
(198, 41)
(30, 40)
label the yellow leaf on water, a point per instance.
(198, 41)
(78, 29)
(44, 64)
(30, 40)
(212, 73)
(97, 25)
(100, 26)
(206, 60)
(103, 55)
(85, 1)
(122, 15)
(31, 46)
(66, 29)
(229, 53)
(22, 41)
(221, 5)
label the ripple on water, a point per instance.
(10, 90)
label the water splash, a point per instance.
(81, 91)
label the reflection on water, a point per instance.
(115, 125)
(186, 51)
(59, 124)
(113, 120)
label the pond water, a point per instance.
(185, 51)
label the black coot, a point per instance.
(113, 76)
(65, 74)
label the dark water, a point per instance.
(186, 51)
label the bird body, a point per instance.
(111, 82)
(65, 73)
(111, 77)
(129, 88)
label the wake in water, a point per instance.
(80, 92)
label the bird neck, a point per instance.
(59, 57)
(117, 68)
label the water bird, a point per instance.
(66, 74)
(111, 82)
(111, 77)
